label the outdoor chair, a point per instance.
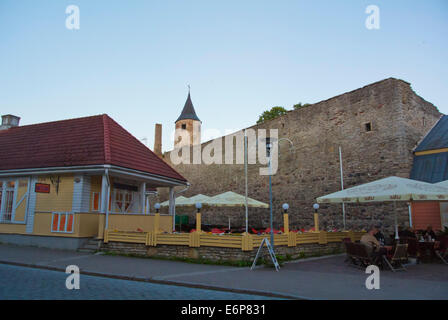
(442, 250)
(358, 255)
(396, 260)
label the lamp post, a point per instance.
(198, 216)
(316, 217)
(285, 207)
(269, 141)
(157, 207)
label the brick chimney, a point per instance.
(158, 140)
(9, 121)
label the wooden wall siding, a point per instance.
(95, 186)
(84, 225)
(62, 200)
(134, 222)
(22, 193)
(81, 193)
(31, 206)
(85, 201)
(426, 213)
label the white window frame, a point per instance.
(14, 200)
(92, 207)
(59, 222)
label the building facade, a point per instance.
(431, 165)
(64, 182)
(376, 127)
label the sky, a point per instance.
(134, 59)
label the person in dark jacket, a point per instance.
(380, 236)
(408, 233)
(429, 233)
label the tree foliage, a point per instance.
(272, 114)
(300, 105)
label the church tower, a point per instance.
(188, 122)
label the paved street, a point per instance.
(30, 283)
(320, 278)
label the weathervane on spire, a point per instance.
(188, 88)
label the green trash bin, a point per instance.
(181, 220)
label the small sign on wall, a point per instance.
(42, 188)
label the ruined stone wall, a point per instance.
(398, 119)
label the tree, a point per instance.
(272, 114)
(300, 105)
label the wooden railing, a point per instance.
(244, 241)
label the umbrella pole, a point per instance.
(396, 221)
(245, 175)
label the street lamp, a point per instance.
(198, 206)
(157, 207)
(285, 207)
(269, 142)
(198, 217)
(316, 217)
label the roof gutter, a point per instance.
(92, 169)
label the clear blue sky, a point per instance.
(134, 59)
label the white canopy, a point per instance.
(232, 199)
(179, 201)
(197, 198)
(388, 189)
(442, 184)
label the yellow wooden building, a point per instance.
(64, 182)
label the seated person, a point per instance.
(373, 245)
(380, 236)
(429, 233)
(408, 233)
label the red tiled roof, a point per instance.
(92, 140)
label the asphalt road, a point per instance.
(30, 283)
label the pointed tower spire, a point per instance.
(188, 111)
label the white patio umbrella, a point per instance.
(197, 198)
(179, 201)
(232, 199)
(442, 184)
(388, 189)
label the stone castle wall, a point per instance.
(398, 118)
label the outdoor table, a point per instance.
(427, 250)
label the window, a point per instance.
(184, 126)
(95, 201)
(62, 222)
(7, 199)
(368, 126)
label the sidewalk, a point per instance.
(325, 278)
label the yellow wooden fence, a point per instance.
(243, 241)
